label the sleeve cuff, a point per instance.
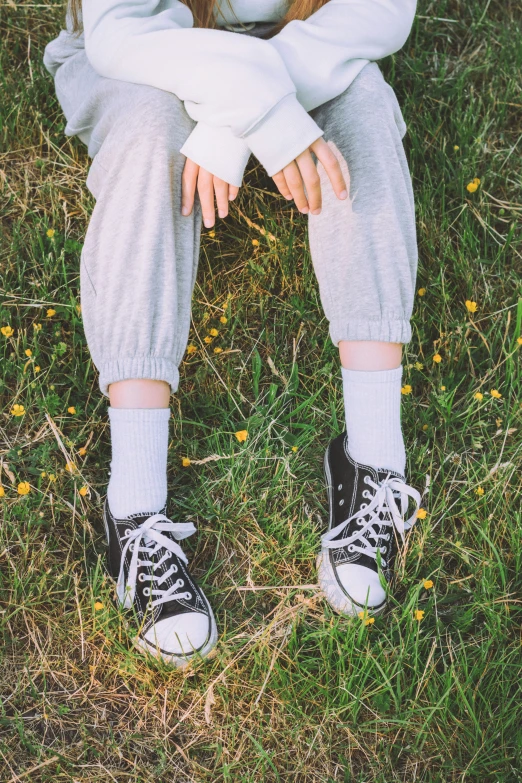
(217, 150)
(285, 132)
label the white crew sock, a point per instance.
(140, 440)
(372, 406)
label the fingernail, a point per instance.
(316, 212)
(343, 194)
(304, 210)
(184, 210)
(222, 214)
(208, 223)
(289, 198)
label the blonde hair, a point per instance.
(202, 11)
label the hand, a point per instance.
(302, 172)
(208, 187)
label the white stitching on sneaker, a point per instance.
(149, 533)
(383, 503)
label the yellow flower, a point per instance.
(419, 614)
(456, 147)
(479, 491)
(207, 340)
(419, 365)
(28, 352)
(18, 410)
(241, 435)
(519, 340)
(218, 350)
(294, 448)
(79, 309)
(255, 242)
(471, 187)
(213, 332)
(2, 491)
(83, 491)
(366, 620)
(478, 396)
(24, 488)
(212, 234)
(191, 349)
(82, 452)
(406, 389)
(37, 327)
(70, 466)
(185, 462)
(37, 368)
(7, 331)
(421, 291)
(52, 477)
(425, 427)
(43, 474)
(50, 312)
(71, 409)
(98, 606)
(443, 388)
(422, 513)
(437, 358)
(471, 307)
(496, 394)
(50, 233)
(223, 319)
(428, 584)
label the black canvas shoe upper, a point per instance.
(367, 510)
(150, 568)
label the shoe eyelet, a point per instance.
(366, 494)
(146, 591)
(131, 547)
(341, 502)
(340, 487)
(351, 548)
(127, 533)
(366, 479)
(363, 505)
(188, 596)
(141, 578)
(384, 549)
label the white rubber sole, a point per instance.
(332, 590)
(177, 660)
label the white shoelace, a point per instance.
(148, 539)
(382, 503)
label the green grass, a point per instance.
(293, 692)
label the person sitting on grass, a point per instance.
(171, 99)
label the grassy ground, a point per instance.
(293, 692)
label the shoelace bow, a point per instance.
(148, 538)
(382, 503)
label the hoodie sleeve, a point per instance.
(234, 83)
(324, 54)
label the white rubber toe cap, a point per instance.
(179, 635)
(362, 584)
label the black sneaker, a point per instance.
(175, 621)
(365, 519)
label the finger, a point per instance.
(221, 191)
(188, 186)
(295, 183)
(232, 192)
(206, 197)
(282, 187)
(331, 166)
(312, 183)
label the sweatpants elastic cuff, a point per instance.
(151, 367)
(382, 330)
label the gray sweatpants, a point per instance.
(139, 260)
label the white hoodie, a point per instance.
(245, 93)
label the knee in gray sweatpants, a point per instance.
(139, 260)
(364, 249)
